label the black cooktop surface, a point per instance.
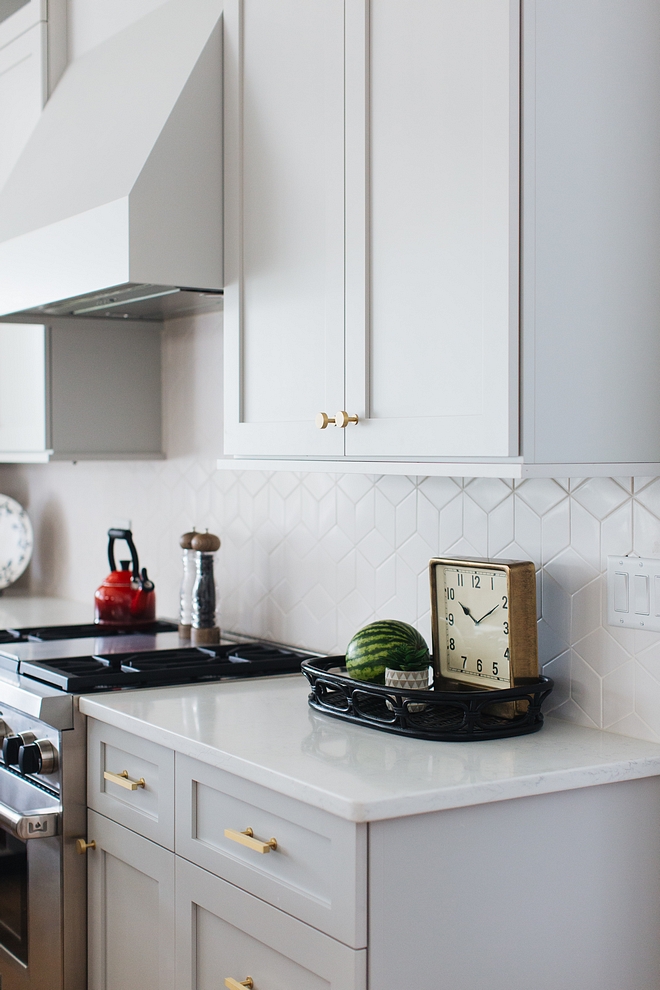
(46, 634)
(140, 659)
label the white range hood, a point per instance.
(115, 205)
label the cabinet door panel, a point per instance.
(284, 320)
(131, 910)
(224, 932)
(22, 93)
(474, 896)
(432, 106)
(22, 388)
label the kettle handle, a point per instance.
(127, 535)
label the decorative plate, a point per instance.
(16, 541)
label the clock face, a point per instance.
(473, 625)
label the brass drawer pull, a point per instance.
(235, 985)
(82, 846)
(124, 780)
(246, 838)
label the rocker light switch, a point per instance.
(621, 603)
(633, 592)
(642, 597)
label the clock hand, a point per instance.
(487, 614)
(468, 612)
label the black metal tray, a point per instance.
(448, 715)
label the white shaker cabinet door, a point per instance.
(23, 389)
(284, 223)
(23, 88)
(130, 910)
(224, 934)
(432, 105)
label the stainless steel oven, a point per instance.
(42, 879)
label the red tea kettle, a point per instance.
(126, 597)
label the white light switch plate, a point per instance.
(633, 592)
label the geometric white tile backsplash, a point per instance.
(309, 558)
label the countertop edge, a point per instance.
(379, 809)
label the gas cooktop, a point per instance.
(81, 662)
(45, 634)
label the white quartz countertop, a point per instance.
(19, 610)
(264, 731)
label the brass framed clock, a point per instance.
(483, 615)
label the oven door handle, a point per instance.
(35, 825)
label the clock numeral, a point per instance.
(464, 659)
(495, 669)
(492, 584)
(459, 580)
(476, 581)
(505, 627)
(479, 666)
(506, 653)
(452, 645)
(505, 601)
(450, 619)
(450, 593)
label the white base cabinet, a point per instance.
(549, 891)
(131, 910)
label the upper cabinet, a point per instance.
(371, 189)
(32, 58)
(80, 391)
(378, 261)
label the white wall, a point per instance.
(308, 559)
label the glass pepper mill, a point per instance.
(187, 582)
(204, 631)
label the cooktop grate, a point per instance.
(47, 634)
(159, 667)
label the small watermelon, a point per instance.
(371, 648)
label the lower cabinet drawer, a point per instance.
(131, 781)
(317, 869)
(224, 933)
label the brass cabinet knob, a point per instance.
(246, 838)
(342, 419)
(323, 420)
(82, 846)
(236, 984)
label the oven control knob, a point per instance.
(12, 744)
(5, 730)
(38, 757)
